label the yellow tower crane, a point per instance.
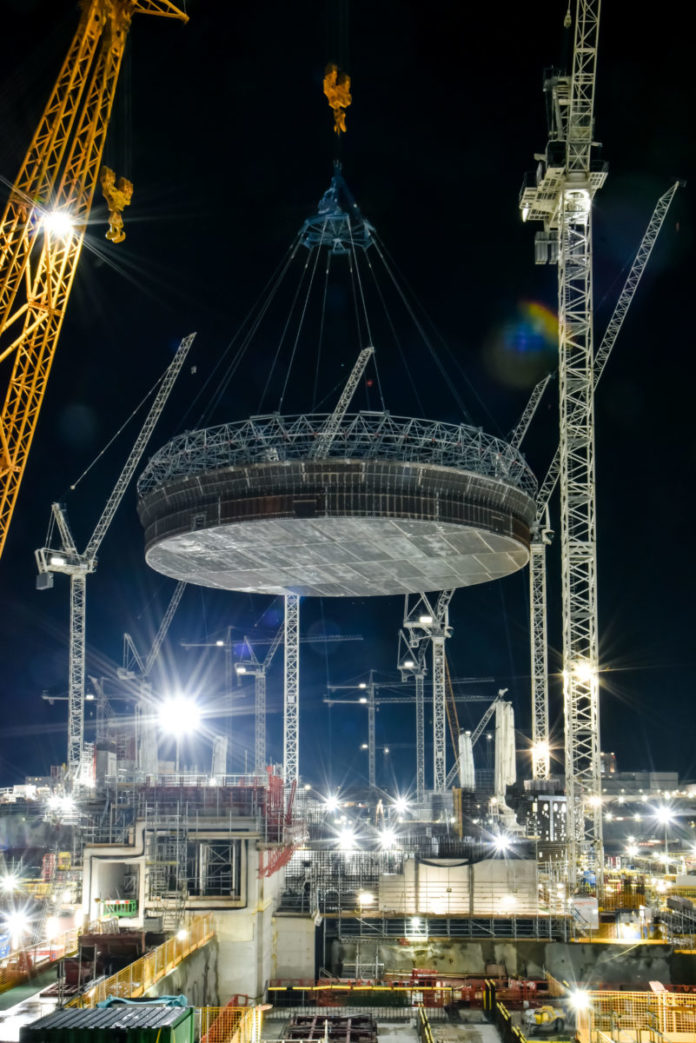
(44, 222)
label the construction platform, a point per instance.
(391, 506)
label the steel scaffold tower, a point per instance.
(291, 723)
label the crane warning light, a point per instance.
(337, 91)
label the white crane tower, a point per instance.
(568, 176)
(78, 566)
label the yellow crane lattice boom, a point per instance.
(38, 258)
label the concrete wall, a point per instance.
(245, 937)
(196, 977)
(630, 964)
(445, 887)
(293, 947)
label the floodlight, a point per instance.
(182, 934)
(346, 840)
(584, 671)
(179, 716)
(425, 619)
(17, 923)
(502, 843)
(387, 839)
(58, 223)
(332, 803)
(9, 883)
(579, 999)
(402, 805)
(664, 814)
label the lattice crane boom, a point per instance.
(542, 529)
(79, 566)
(568, 177)
(38, 262)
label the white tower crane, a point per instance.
(542, 530)
(426, 620)
(138, 670)
(568, 176)
(251, 665)
(78, 566)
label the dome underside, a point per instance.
(336, 528)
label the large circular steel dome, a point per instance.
(387, 505)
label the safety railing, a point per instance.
(20, 965)
(646, 1016)
(135, 979)
(229, 1024)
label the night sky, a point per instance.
(223, 128)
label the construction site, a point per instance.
(493, 873)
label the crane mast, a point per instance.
(567, 179)
(78, 566)
(542, 530)
(44, 222)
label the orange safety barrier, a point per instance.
(135, 979)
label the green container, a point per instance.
(141, 1023)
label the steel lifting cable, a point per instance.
(282, 336)
(419, 326)
(370, 341)
(123, 426)
(322, 321)
(253, 320)
(301, 322)
(397, 341)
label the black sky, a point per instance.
(224, 130)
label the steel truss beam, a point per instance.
(291, 721)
